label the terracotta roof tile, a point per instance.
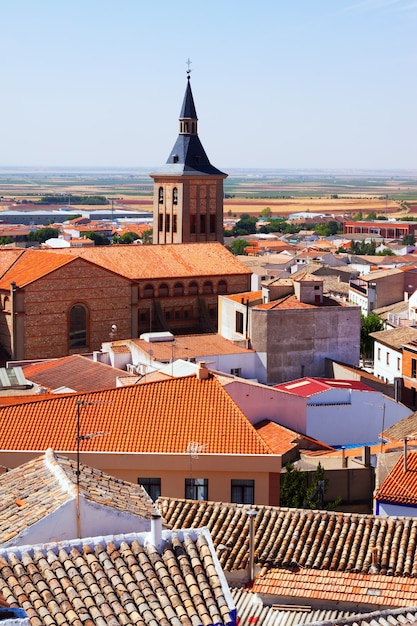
(32, 265)
(163, 261)
(400, 486)
(119, 580)
(190, 346)
(343, 587)
(33, 490)
(140, 418)
(281, 439)
(288, 538)
(75, 372)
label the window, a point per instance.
(243, 491)
(196, 488)
(222, 287)
(193, 220)
(413, 368)
(148, 291)
(175, 196)
(193, 289)
(212, 223)
(212, 311)
(178, 289)
(236, 371)
(202, 223)
(398, 364)
(379, 354)
(187, 313)
(160, 222)
(387, 358)
(208, 287)
(177, 314)
(316, 286)
(163, 290)
(174, 223)
(317, 299)
(167, 223)
(78, 326)
(161, 195)
(152, 486)
(143, 316)
(239, 322)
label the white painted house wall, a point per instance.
(96, 519)
(337, 419)
(401, 510)
(387, 362)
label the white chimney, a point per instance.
(156, 530)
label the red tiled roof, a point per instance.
(32, 265)
(190, 346)
(400, 486)
(315, 584)
(281, 439)
(307, 387)
(292, 302)
(163, 261)
(159, 417)
(75, 372)
(247, 295)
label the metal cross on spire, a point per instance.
(188, 63)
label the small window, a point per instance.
(174, 223)
(398, 364)
(236, 371)
(161, 195)
(413, 368)
(163, 290)
(152, 486)
(175, 158)
(196, 488)
(197, 158)
(148, 291)
(160, 222)
(193, 289)
(167, 223)
(187, 313)
(193, 222)
(177, 314)
(178, 289)
(212, 311)
(222, 287)
(379, 354)
(208, 287)
(202, 223)
(387, 358)
(78, 326)
(243, 491)
(175, 196)
(316, 286)
(239, 322)
(212, 223)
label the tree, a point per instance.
(409, 240)
(128, 237)
(147, 236)
(245, 226)
(238, 246)
(98, 238)
(369, 324)
(42, 234)
(295, 492)
(266, 212)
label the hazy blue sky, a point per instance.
(276, 83)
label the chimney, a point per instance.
(366, 456)
(202, 371)
(344, 459)
(156, 530)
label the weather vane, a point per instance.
(188, 63)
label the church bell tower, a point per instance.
(188, 190)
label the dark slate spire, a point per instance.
(188, 155)
(188, 108)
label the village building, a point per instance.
(60, 302)
(188, 190)
(292, 326)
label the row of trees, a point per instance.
(73, 199)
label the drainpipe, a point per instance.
(13, 312)
(251, 514)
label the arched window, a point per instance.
(208, 287)
(161, 195)
(175, 196)
(163, 290)
(178, 289)
(222, 286)
(193, 289)
(78, 318)
(148, 291)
